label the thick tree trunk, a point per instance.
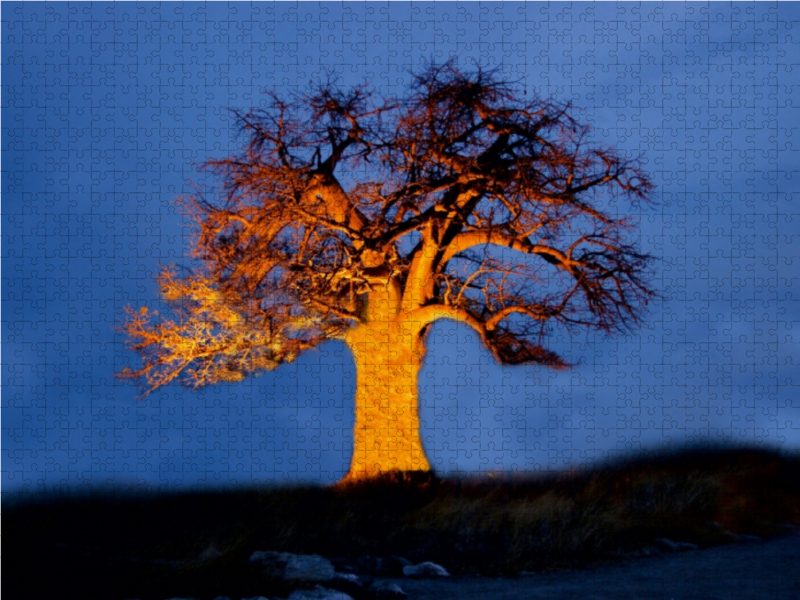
(388, 357)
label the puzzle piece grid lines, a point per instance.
(107, 110)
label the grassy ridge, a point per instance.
(498, 526)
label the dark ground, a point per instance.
(113, 547)
(746, 571)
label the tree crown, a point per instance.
(343, 208)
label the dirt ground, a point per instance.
(744, 571)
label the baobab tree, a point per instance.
(348, 216)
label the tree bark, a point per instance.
(388, 354)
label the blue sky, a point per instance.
(107, 110)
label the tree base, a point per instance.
(393, 478)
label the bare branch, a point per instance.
(307, 232)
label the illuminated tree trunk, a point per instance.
(388, 357)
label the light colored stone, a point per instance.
(425, 569)
(273, 564)
(300, 567)
(386, 589)
(350, 583)
(669, 544)
(348, 577)
(309, 567)
(319, 593)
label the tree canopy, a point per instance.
(460, 200)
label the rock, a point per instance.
(300, 567)
(310, 567)
(385, 589)
(351, 584)
(675, 546)
(363, 588)
(425, 569)
(319, 593)
(392, 566)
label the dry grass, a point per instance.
(497, 526)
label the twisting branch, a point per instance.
(293, 248)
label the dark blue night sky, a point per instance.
(108, 110)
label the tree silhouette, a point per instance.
(352, 217)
